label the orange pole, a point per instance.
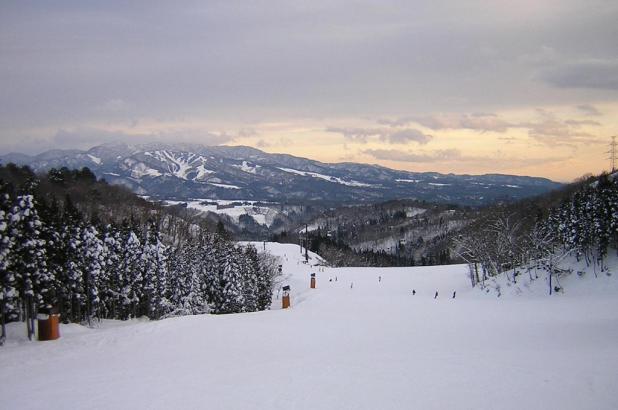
(312, 283)
(285, 302)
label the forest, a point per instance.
(74, 245)
(581, 221)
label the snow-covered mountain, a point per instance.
(185, 171)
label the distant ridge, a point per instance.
(185, 171)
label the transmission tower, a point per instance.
(612, 153)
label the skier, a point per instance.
(351, 285)
(379, 278)
(413, 292)
(454, 292)
(436, 295)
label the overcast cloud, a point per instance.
(442, 65)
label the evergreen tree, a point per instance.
(8, 287)
(112, 275)
(131, 279)
(249, 272)
(28, 260)
(154, 275)
(92, 260)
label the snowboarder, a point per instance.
(413, 292)
(454, 292)
(436, 295)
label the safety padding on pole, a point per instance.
(313, 281)
(285, 300)
(48, 326)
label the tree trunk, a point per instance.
(2, 324)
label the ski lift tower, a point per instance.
(304, 240)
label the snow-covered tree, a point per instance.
(154, 277)
(8, 288)
(92, 256)
(27, 260)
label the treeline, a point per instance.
(340, 254)
(587, 222)
(54, 258)
(583, 224)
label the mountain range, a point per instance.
(187, 171)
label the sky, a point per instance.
(527, 87)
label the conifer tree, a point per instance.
(8, 289)
(27, 261)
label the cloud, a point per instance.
(88, 137)
(588, 109)
(478, 122)
(548, 129)
(397, 122)
(406, 156)
(406, 135)
(356, 134)
(498, 161)
(262, 143)
(247, 132)
(592, 74)
(552, 130)
(114, 105)
(392, 136)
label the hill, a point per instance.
(184, 172)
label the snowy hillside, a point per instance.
(187, 171)
(361, 340)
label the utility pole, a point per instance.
(612, 153)
(306, 243)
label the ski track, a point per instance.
(373, 346)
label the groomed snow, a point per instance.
(372, 345)
(224, 185)
(94, 159)
(140, 169)
(247, 167)
(328, 178)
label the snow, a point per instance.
(370, 346)
(140, 169)
(412, 212)
(261, 214)
(246, 167)
(202, 172)
(224, 185)
(181, 164)
(328, 178)
(94, 159)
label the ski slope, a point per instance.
(353, 343)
